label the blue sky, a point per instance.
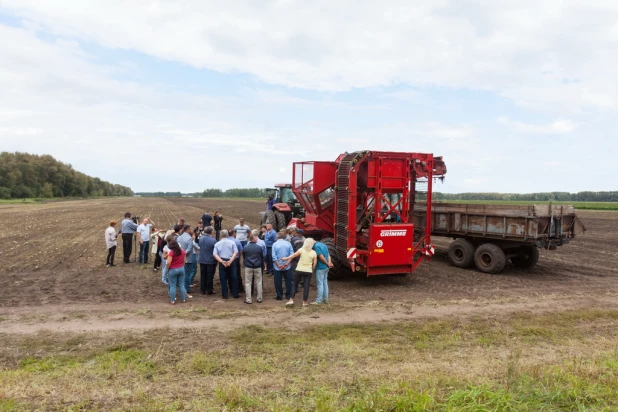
(185, 95)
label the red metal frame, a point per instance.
(369, 178)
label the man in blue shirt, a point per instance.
(225, 252)
(270, 237)
(208, 264)
(127, 228)
(321, 272)
(270, 202)
(282, 268)
(186, 243)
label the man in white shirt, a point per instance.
(143, 235)
(242, 232)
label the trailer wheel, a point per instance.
(489, 258)
(461, 253)
(527, 258)
(339, 269)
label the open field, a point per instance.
(74, 334)
(577, 205)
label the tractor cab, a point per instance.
(286, 207)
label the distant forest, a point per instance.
(24, 175)
(240, 193)
(538, 197)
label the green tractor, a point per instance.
(285, 208)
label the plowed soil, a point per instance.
(53, 259)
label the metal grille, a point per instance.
(343, 198)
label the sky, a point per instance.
(517, 96)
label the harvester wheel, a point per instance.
(461, 253)
(527, 258)
(489, 258)
(339, 269)
(280, 219)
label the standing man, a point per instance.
(208, 264)
(236, 265)
(207, 219)
(225, 252)
(111, 243)
(281, 249)
(242, 232)
(261, 244)
(270, 202)
(270, 237)
(218, 219)
(127, 228)
(253, 258)
(143, 236)
(321, 272)
(186, 243)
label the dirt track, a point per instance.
(54, 256)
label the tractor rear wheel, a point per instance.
(270, 218)
(339, 269)
(461, 253)
(527, 258)
(489, 258)
(280, 219)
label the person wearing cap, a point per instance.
(242, 232)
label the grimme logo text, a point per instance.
(391, 233)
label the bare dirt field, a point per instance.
(75, 335)
(54, 254)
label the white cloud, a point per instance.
(524, 50)
(560, 126)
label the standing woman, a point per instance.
(176, 271)
(304, 269)
(111, 243)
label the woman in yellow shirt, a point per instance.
(306, 265)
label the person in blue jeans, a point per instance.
(282, 269)
(270, 237)
(176, 271)
(187, 243)
(321, 272)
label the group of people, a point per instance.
(287, 256)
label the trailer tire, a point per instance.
(339, 269)
(461, 253)
(489, 258)
(527, 258)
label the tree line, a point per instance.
(586, 196)
(25, 175)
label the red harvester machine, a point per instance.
(362, 207)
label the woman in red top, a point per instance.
(176, 273)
